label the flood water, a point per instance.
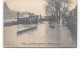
(57, 35)
(44, 35)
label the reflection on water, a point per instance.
(52, 35)
(58, 34)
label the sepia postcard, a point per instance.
(40, 23)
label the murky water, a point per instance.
(59, 35)
(44, 35)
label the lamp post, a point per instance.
(17, 16)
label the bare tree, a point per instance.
(57, 7)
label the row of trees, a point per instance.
(57, 8)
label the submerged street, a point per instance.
(44, 35)
(57, 35)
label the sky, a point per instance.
(33, 6)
